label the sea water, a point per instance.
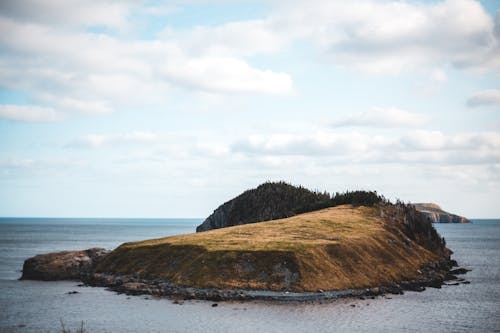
(36, 306)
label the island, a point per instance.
(276, 242)
(436, 214)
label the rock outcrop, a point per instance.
(269, 201)
(66, 265)
(435, 214)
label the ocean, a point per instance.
(36, 306)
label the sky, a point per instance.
(168, 109)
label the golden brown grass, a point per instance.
(336, 248)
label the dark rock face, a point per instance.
(267, 202)
(66, 265)
(435, 214)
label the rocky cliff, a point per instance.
(65, 265)
(435, 214)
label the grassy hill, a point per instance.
(342, 247)
(277, 200)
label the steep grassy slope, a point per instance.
(336, 248)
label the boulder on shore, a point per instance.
(65, 265)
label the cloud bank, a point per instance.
(383, 117)
(86, 53)
(27, 113)
(486, 98)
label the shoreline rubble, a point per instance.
(433, 275)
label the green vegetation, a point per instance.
(271, 201)
(355, 198)
(268, 201)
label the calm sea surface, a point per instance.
(35, 306)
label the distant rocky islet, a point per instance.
(435, 214)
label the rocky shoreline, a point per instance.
(78, 265)
(434, 275)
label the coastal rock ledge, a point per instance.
(435, 214)
(66, 265)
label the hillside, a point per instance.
(337, 248)
(434, 213)
(276, 200)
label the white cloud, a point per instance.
(419, 146)
(368, 35)
(320, 143)
(212, 149)
(439, 76)
(99, 73)
(156, 147)
(78, 105)
(425, 140)
(16, 163)
(487, 97)
(383, 117)
(227, 75)
(394, 36)
(240, 38)
(49, 51)
(150, 162)
(110, 14)
(102, 140)
(27, 113)
(159, 10)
